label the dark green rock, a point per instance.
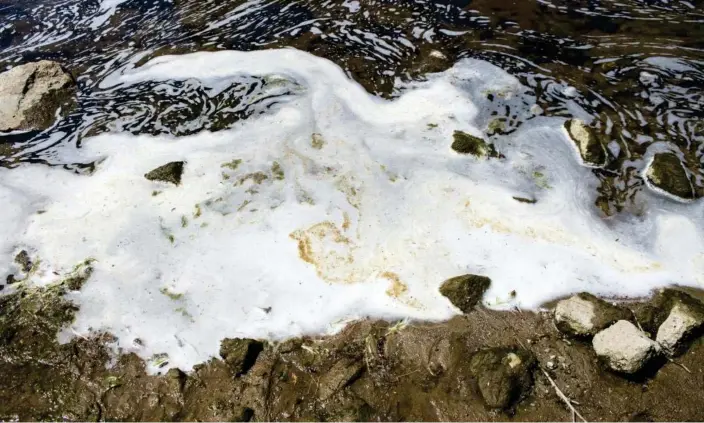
(170, 172)
(464, 292)
(667, 173)
(503, 375)
(465, 143)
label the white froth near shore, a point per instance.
(367, 220)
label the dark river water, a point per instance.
(636, 67)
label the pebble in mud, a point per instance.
(584, 315)
(624, 347)
(503, 375)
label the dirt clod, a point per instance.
(464, 292)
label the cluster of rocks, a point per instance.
(628, 341)
(665, 173)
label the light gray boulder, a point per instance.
(624, 347)
(31, 94)
(584, 315)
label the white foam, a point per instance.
(382, 198)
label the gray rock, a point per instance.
(676, 318)
(465, 291)
(666, 173)
(584, 315)
(31, 94)
(590, 148)
(503, 375)
(624, 347)
(170, 172)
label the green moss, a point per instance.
(540, 180)
(172, 295)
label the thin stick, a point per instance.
(563, 397)
(678, 364)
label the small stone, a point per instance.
(624, 347)
(591, 150)
(684, 320)
(30, 95)
(170, 172)
(584, 315)
(10, 279)
(464, 292)
(240, 353)
(503, 375)
(551, 365)
(666, 173)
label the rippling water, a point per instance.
(635, 67)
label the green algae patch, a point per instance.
(170, 173)
(232, 165)
(432, 125)
(184, 221)
(277, 171)
(465, 143)
(172, 295)
(317, 141)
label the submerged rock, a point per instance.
(624, 347)
(667, 173)
(590, 148)
(503, 375)
(240, 354)
(31, 94)
(465, 291)
(170, 172)
(465, 143)
(585, 315)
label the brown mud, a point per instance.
(481, 366)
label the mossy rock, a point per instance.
(667, 173)
(170, 172)
(465, 143)
(465, 291)
(503, 375)
(240, 354)
(590, 148)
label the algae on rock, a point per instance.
(170, 172)
(667, 173)
(591, 149)
(465, 143)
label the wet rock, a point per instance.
(465, 143)
(240, 354)
(585, 315)
(675, 317)
(503, 375)
(624, 347)
(170, 172)
(590, 148)
(31, 94)
(667, 173)
(341, 374)
(465, 291)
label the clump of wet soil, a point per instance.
(482, 365)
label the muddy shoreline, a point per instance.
(370, 371)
